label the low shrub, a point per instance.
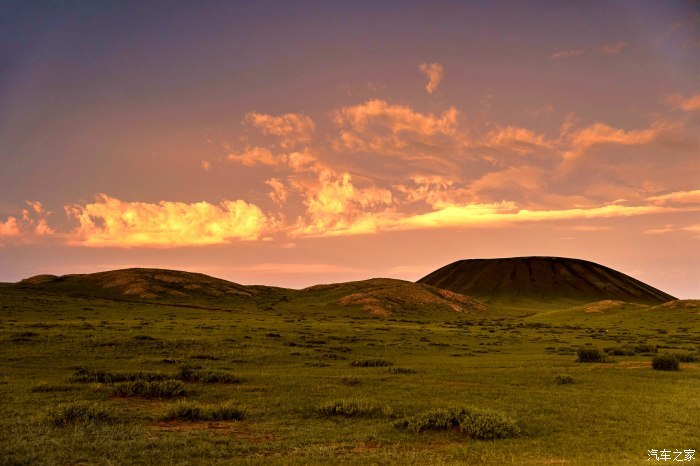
(80, 412)
(590, 355)
(193, 411)
(194, 374)
(401, 370)
(666, 362)
(371, 363)
(155, 389)
(349, 380)
(620, 351)
(564, 379)
(688, 357)
(645, 348)
(477, 423)
(353, 408)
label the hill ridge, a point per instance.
(517, 280)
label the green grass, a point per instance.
(62, 358)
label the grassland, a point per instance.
(286, 380)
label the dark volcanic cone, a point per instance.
(523, 280)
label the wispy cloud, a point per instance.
(435, 72)
(682, 197)
(609, 48)
(689, 104)
(613, 48)
(569, 53)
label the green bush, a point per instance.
(193, 411)
(477, 423)
(155, 389)
(353, 408)
(372, 363)
(590, 355)
(666, 362)
(688, 357)
(79, 412)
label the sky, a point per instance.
(293, 143)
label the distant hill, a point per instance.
(139, 283)
(530, 281)
(386, 297)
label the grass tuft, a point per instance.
(481, 424)
(154, 389)
(84, 374)
(80, 412)
(44, 387)
(371, 363)
(353, 408)
(194, 411)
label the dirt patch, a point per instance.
(230, 427)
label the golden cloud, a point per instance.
(435, 73)
(681, 197)
(114, 223)
(291, 128)
(257, 155)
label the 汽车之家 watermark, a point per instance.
(671, 455)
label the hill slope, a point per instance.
(139, 284)
(387, 297)
(528, 280)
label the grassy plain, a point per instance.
(284, 360)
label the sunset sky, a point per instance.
(292, 143)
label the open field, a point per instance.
(316, 382)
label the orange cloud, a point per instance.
(601, 134)
(257, 155)
(435, 73)
(519, 140)
(292, 129)
(9, 227)
(29, 227)
(690, 104)
(279, 191)
(395, 130)
(111, 222)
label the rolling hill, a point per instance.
(528, 281)
(139, 283)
